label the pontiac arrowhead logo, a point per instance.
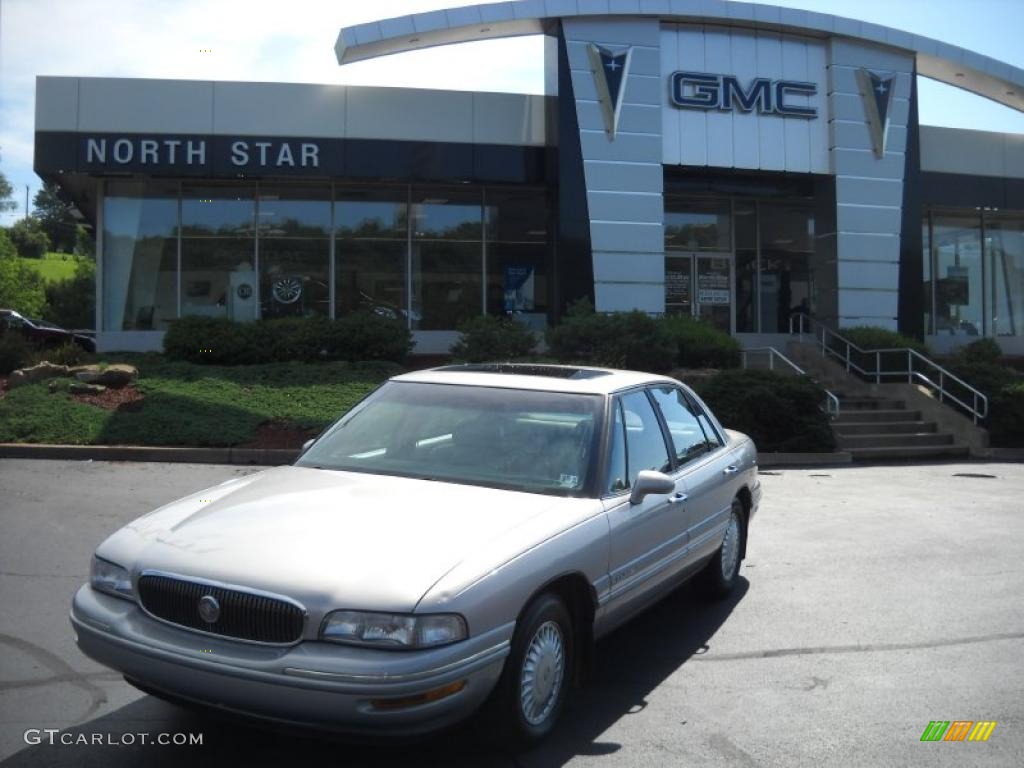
(610, 70)
(876, 91)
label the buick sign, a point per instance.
(702, 90)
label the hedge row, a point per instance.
(359, 336)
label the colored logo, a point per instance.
(958, 730)
(610, 71)
(876, 91)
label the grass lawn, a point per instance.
(54, 267)
(193, 405)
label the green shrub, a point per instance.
(15, 353)
(360, 336)
(778, 411)
(632, 340)
(29, 238)
(21, 287)
(870, 337)
(700, 345)
(982, 351)
(990, 378)
(1005, 422)
(488, 338)
(71, 303)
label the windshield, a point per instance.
(538, 442)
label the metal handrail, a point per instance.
(824, 334)
(831, 401)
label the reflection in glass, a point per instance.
(745, 218)
(371, 247)
(694, 224)
(218, 247)
(295, 249)
(786, 283)
(1005, 248)
(956, 244)
(140, 256)
(926, 301)
(446, 258)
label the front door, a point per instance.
(700, 284)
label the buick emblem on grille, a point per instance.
(209, 609)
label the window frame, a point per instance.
(615, 400)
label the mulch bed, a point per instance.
(280, 434)
(124, 399)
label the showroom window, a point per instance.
(218, 252)
(446, 256)
(140, 256)
(371, 226)
(974, 273)
(294, 251)
(517, 266)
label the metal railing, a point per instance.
(831, 401)
(867, 363)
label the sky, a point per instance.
(293, 41)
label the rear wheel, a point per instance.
(722, 572)
(535, 682)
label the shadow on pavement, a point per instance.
(628, 665)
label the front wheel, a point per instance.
(535, 682)
(722, 572)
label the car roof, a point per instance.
(539, 377)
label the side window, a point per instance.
(617, 478)
(645, 444)
(688, 438)
(714, 439)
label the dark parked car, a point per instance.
(41, 333)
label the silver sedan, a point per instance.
(455, 540)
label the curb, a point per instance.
(260, 456)
(1004, 454)
(804, 459)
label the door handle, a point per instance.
(677, 498)
(732, 469)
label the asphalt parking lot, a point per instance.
(874, 600)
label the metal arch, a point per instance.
(940, 61)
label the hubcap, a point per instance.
(731, 547)
(543, 669)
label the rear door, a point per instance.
(702, 465)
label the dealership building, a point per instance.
(735, 162)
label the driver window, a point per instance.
(645, 443)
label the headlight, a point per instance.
(393, 630)
(110, 578)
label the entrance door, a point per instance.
(700, 284)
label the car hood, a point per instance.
(329, 539)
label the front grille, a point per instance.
(243, 615)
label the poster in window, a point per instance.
(677, 286)
(519, 288)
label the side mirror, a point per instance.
(648, 482)
(306, 445)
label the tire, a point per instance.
(720, 575)
(523, 714)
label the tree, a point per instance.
(29, 238)
(55, 216)
(85, 243)
(6, 195)
(72, 302)
(21, 287)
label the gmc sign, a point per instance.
(701, 90)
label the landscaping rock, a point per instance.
(81, 388)
(116, 376)
(52, 385)
(36, 373)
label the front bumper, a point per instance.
(317, 684)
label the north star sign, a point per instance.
(702, 90)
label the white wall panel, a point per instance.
(736, 139)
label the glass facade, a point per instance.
(742, 264)
(433, 256)
(973, 273)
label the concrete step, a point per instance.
(868, 415)
(867, 403)
(885, 427)
(915, 440)
(903, 452)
